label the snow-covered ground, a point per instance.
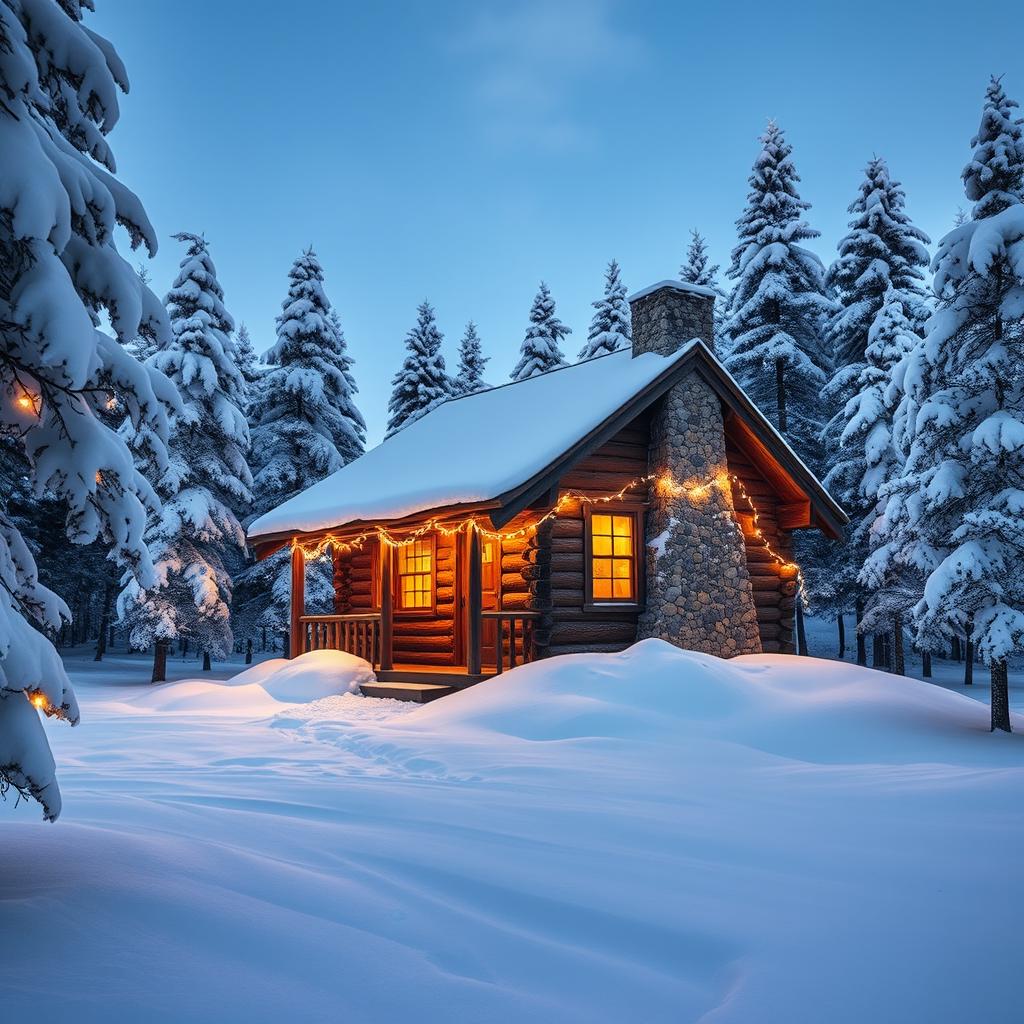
(654, 836)
(823, 642)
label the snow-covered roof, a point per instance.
(679, 286)
(470, 451)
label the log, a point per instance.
(517, 601)
(554, 650)
(566, 527)
(765, 583)
(766, 599)
(424, 627)
(592, 632)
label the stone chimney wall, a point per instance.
(699, 595)
(668, 315)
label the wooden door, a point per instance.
(490, 586)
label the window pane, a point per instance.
(622, 568)
(602, 589)
(601, 524)
(602, 545)
(623, 589)
(623, 526)
(602, 568)
(623, 546)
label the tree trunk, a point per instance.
(1000, 697)
(898, 664)
(801, 631)
(263, 638)
(862, 645)
(841, 626)
(101, 638)
(954, 649)
(110, 641)
(780, 393)
(248, 652)
(926, 664)
(878, 650)
(206, 661)
(969, 654)
(286, 641)
(160, 662)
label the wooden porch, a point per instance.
(485, 641)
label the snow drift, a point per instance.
(262, 689)
(653, 835)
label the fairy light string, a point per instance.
(665, 483)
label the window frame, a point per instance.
(399, 608)
(636, 512)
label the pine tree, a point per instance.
(779, 304)
(955, 513)
(59, 266)
(305, 426)
(351, 440)
(698, 268)
(541, 350)
(248, 365)
(470, 376)
(612, 327)
(879, 269)
(208, 475)
(870, 458)
(421, 383)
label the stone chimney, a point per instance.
(670, 313)
(699, 595)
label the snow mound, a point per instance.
(262, 689)
(802, 708)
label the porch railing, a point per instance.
(514, 641)
(356, 634)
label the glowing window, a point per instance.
(613, 557)
(416, 574)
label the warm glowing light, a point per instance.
(111, 403)
(25, 402)
(99, 477)
(664, 483)
(39, 701)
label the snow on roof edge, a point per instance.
(681, 286)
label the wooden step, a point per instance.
(418, 692)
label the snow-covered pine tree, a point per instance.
(58, 268)
(612, 325)
(869, 458)
(780, 304)
(881, 261)
(469, 379)
(955, 514)
(351, 440)
(421, 383)
(541, 349)
(305, 426)
(208, 475)
(248, 364)
(698, 268)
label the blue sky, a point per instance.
(462, 151)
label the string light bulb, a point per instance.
(664, 483)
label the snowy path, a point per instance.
(630, 838)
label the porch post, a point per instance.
(386, 608)
(474, 631)
(297, 634)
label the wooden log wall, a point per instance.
(515, 582)
(556, 569)
(353, 576)
(417, 638)
(774, 587)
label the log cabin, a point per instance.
(637, 494)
